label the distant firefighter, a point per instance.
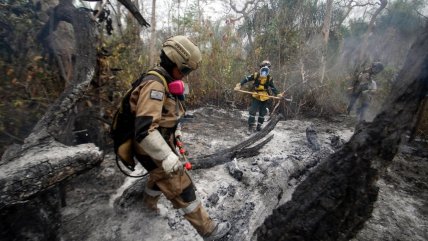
(263, 84)
(364, 87)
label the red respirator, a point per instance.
(176, 87)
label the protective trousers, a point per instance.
(178, 189)
(363, 105)
(257, 106)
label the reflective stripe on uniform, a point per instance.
(190, 208)
(151, 192)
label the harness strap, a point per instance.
(165, 84)
(151, 192)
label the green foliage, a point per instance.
(28, 84)
(287, 32)
(403, 16)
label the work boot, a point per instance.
(151, 202)
(219, 231)
(259, 127)
(250, 129)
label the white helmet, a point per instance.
(183, 52)
(265, 63)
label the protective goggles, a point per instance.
(185, 70)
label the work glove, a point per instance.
(238, 86)
(172, 164)
(177, 132)
(280, 95)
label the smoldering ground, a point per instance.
(268, 181)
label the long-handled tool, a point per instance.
(269, 96)
(277, 105)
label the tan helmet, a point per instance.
(183, 52)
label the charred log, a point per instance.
(254, 150)
(335, 200)
(234, 170)
(239, 150)
(23, 221)
(134, 11)
(44, 159)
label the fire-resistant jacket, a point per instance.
(155, 110)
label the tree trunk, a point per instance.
(335, 200)
(153, 35)
(43, 160)
(363, 49)
(325, 33)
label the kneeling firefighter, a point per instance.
(156, 103)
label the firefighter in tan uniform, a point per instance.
(158, 109)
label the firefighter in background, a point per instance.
(156, 103)
(363, 90)
(263, 83)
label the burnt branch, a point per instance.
(134, 11)
(223, 156)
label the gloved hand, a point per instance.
(237, 86)
(172, 164)
(177, 132)
(280, 95)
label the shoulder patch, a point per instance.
(156, 95)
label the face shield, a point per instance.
(264, 71)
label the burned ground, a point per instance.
(268, 181)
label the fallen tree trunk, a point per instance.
(335, 200)
(240, 150)
(44, 160)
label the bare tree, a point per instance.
(349, 5)
(245, 12)
(364, 45)
(153, 35)
(325, 33)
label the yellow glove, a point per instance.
(280, 95)
(238, 86)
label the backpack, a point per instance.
(122, 128)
